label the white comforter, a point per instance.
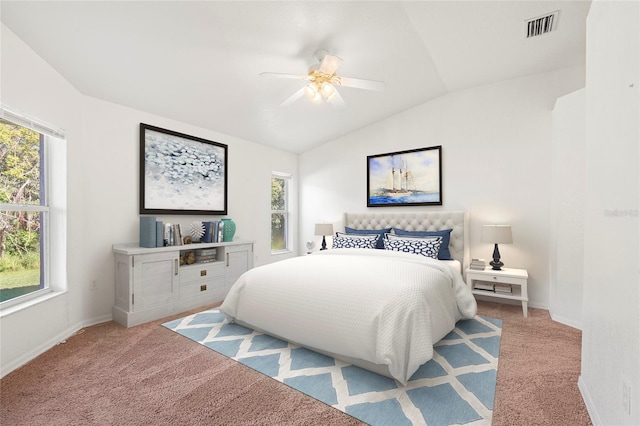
(380, 306)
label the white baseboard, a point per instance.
(566, 321)
(584, 391)
(45, 346)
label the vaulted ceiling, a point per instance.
(199, 62)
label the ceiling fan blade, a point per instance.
(291, 99)
(337, 101)
(358, 83)
(283, 75)
(330, 64)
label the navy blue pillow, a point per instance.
(444, 253)
(380, 232)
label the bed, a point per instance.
(381, 310)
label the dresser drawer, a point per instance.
(203, 289)
(201, 272)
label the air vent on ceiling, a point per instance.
(541, 25)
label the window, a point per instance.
(279, 211)
(26, 212)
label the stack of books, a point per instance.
(206, 255)
(213, 232)
(502, 288)
(481, 285)
(479, 264)
(172, 234)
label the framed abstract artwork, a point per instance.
(405, 178)
(181, 174)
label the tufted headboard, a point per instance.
(424, 221)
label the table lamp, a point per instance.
(324, 229)
(496, 234)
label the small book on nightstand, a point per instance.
(478, 264)
(502, 288)
(480, 285)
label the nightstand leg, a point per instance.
(524, 308)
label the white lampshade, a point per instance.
(324, 229)
(496, 234)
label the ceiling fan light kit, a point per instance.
(323, 81)
(321, 86)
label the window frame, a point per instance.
(52, 210)
(286, 178)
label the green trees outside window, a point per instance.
(279, 214)
(21, 215)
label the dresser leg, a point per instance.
(524, 308)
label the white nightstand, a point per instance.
(517, 278)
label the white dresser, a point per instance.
(152, 284)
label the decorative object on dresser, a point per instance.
(405, 178)
(152, 283)
(324, 229)
(206, 255)
(148, 231)
(496, 234)
(181, 174)
(507, 284)
(229, 229)
(196, 230)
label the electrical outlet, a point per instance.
(93, 285)
(626, 397)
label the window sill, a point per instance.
(9, 310)
(281, 252)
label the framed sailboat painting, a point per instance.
(405, 178)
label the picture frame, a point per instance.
(405, 178)
(181, 174)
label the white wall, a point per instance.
(567, 215)
(30, 86)
(103, 195)
(611, 317)
(496, 153)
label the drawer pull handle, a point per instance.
(176, 266)
(203, 273)
(495, 278)
(203, 287)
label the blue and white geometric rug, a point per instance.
(456, 387)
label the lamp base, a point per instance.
(496, 265)
(324, 244)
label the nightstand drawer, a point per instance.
(500, 279)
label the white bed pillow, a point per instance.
(428, 247)
(342, 240)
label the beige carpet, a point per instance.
(149, 375)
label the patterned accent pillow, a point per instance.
(380, 232)
(422, 246)
(444, 253)
(354, 241)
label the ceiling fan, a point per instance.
(323, 81)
